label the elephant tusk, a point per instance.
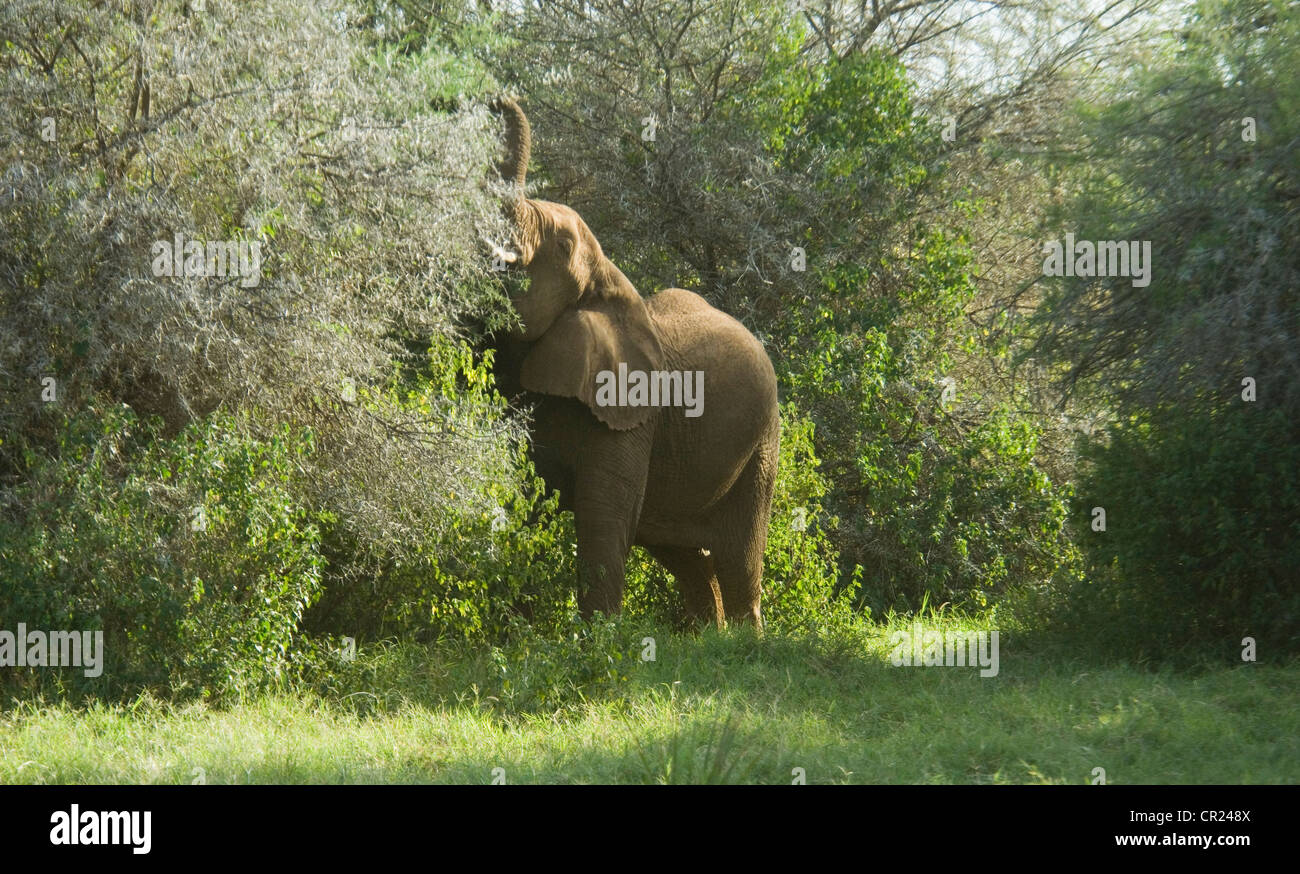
(500, 253)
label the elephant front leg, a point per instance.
(608, 493)
(602, 556)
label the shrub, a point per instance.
(1202, 536)
(801, 582)
(499, 548)
(189, 554)
(354, 166)
(942, 499)
(353, 153)
(1198, 484)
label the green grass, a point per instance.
(717, 707)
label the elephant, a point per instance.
(690, 482)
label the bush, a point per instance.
(356, 166)
(1202, 536)
(499, 549)
(200, 555)
(801, 582)
(468, 582)
(190, 554)
(351, 150)
(1199, 486)
(942, 499)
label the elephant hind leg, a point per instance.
(740, 579)
(742, 538)
(693, 570)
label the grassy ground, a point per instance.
(718, 707)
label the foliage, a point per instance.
(802, 588)
(1198, 372)
(353, 161)
(295, 130)
(469, 571)
(942, 497)
(1195, 153)
(1202, 533)
(190, 554)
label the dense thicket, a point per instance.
(202, 454)
(1196, 376)
(227, 473)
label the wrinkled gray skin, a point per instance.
(695, 492)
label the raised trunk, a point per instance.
(518, 142)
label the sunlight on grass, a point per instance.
(713, 708)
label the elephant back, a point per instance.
(699, 336)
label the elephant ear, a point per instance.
(590, 338)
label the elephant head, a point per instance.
(580, 315)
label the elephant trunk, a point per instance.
(518, 141)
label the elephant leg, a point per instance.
(602, 554)
(609, 488)
(740, 581)
(693, 570)
(742, 537)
